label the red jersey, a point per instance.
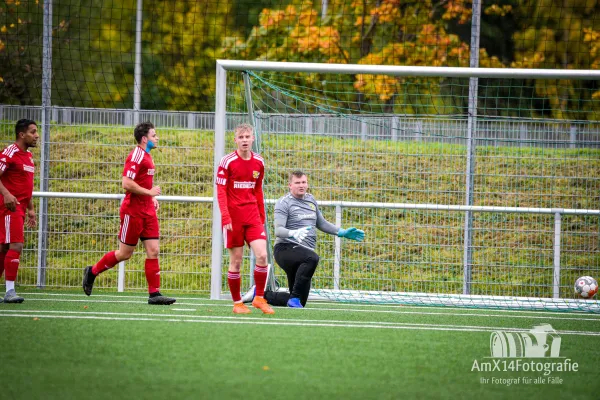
(17, 173)
(242, 181)
(139, 167)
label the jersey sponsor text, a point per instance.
(244, 185)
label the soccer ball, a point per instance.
(586, 287)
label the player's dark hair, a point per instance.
(297, 173)
(142, 130)
(22, 126)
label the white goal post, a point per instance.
(473, 74)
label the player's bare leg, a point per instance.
(11, 266)
(259, 247)
(234, 280)
(152, 270)
(108, 261)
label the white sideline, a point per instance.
(577, 317)
(263, 321)
(206, 301)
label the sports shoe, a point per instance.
(249, 295)
(240, 308)
(160, 300)
(11, 297)
(262, 305)
(294, 302)
(88, 280)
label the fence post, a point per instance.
(191, 121)
(338, 250)
(471, 131)
(522, 135)
(556, 275)
(418, 130)
(394, 128)
(137, 72)
(308, 125)
(363, 129)
(45, 150)
(216, 276)
(121, 276)
(573, 137)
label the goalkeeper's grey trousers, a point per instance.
(299, 264)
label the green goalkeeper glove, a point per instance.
(352, 233)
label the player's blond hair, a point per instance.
(244, 128)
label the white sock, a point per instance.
(10, 285)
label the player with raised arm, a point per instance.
(138, 217)
(297, 214)
(16, 210)
(239, 189)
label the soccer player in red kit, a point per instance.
(239, 189)
(138, 216)
(16, 187)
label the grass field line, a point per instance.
(574, 314)
(279, 322)
(226, 303)
(274, 320)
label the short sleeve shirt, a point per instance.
(139, 167)
(17, 173)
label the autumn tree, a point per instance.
(383, 32)
(20, 52)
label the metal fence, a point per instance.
(501, 132)
(407, 249)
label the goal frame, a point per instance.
(224, 66)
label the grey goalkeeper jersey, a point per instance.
(292, 213)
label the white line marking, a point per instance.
(564, 318)
(261, 321)
(183, 309)
(574, 314)
(280, 323)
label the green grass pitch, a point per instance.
(64, 345)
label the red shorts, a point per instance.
(246, 227)
(12, 224)
(136, 228)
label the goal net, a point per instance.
(472, 192)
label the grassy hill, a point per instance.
(403, 250)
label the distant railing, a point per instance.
(447, 129)
(339, 206)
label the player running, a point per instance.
(138, 217)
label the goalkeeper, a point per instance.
(296, 217)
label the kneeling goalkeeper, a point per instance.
(296, 217)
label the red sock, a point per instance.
(2, 255)
(108, 261)
(234, 281)
(152, 274)
(11, 265)
(260, 279)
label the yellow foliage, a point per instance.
(269, 18)
(460, 9)
(308, 17)
(495, 9)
